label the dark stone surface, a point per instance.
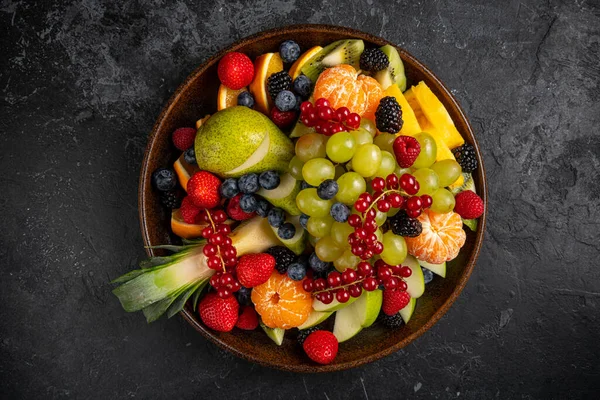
(81, 84)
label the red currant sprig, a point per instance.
(327, 120)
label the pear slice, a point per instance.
(438, 269)
(408, 310)
(253, 236)
(361, 314)
(415, 282)
(256, 157)
(284, 195)
(275, 334)
(297, 243)
(315, 318)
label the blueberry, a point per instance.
(262, 207)
(243, 296)
(305, 185)
(427, 275)
(296, 271)
(248, 203)
(269, 180)
(286, 231)
(229, 188)
(327, 189)
(289, 51)
(298, 103)
(316, 264)
(248, 183)
(285, 100)
(340, 212)
(245, 99)
(302, 86)
(276, 217)
(190, 156)
(303, 220)
(164, 179)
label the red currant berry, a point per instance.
(366, 197)
(361, 205)
(235, 286)
(402, 286)
(349, 276)
(307, 122)
(336, 127)
(357, 250)
(322, 102)
(227, 241)
(223, 292)
(370, 226)
(354, 220)
(355, 290)
(371, 214)
(320, 284)
(378, 184)
(405, 272)
(370, 284)
(228, 252)
(367, 254)
(217, 239)
(413, 213)
(426, 200)
(326, 297)
(210, 250)
(219, 216)
(306, 106)
(227, 279)
(361, 233)
(384, 273)
(325, 113)
(391, 283)
(414, 203)
(353, 239)
(380, 263)
(383, 205)
(413, 190)
(224, 229)
(230, 262)
(308, 285)
(364, 269)
(207, 232)
(396, 269)
(334, 279)
(353, 120)
(396, 200)
(341, 114)
(342, 295)
(377, 248)
(407, 181)
(214, 263)
(392, 181)
(215, 281)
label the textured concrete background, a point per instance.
(81, 83)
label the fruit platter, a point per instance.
(312, 198)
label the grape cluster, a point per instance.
(351, 283)
(327, 120)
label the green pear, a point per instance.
(416, 281)
(315, 318)
(237, 141)
(284, 195)
(297, 243)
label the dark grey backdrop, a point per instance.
(81, 83)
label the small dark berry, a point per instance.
(164, 179)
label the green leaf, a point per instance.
(471, 223)
(197, 295)
(180, 303)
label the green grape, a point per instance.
(345, 261)
(349, 166)
(379, 235)
(367, 159)
(385, 141)
(428, 152)
(319, 227)
(313, 240)
(380, 218)
(447, 171)
(388, 165)
(340, 232)
(394, 248)
(369, 126)
(341, 147)
(351, 185)
(295, 168)
(311, 145)
(327, 250)
(361, 136)
(317, 170)
(393, 211)
(443, 201)
(428, 181)
(339, 171)
(401, 171)
(311, 204)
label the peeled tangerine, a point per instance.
(441, 239)
(282, 302)
(343, 87)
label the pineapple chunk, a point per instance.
(411, 126)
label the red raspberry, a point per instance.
(394, 301)
(236, 70)
(468, 205)
(217, 313)
(234, 210)
(248, 319)
(189, 211)
(282, 118)
(321, 347)
(183, 138)
(203, 188)
(406, 149)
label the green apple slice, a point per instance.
(360, 314)
(333, 306)
(346, 324)
(275, 334)
(284, 195)
(315, 318)
(415, 282)
(438, 269)
(297, 243)
(407, 311)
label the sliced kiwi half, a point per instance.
(394, 73)
(339, 52)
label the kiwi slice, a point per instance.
(339, 52)
(394, 73)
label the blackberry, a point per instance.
(373, 60)
(391, 321)
(278, 82)
(303, 334)
(171, 199)
(465, 155)
(389, 115)
(283, 257)
(403, 225)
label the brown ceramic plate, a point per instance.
(196, 97)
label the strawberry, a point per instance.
(217, 313)
(235, 70)
(248, 319)
(468, 205)
(321, 347)
(189, 211)
(203, 188)
(406, 150)
(394, 301)
(234, 210)
(255, 269)
(183, 138)
(282, 118)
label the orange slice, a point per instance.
(282, 302)
(264, 66)
(228, 97)
(184, 171)
(201, 121)
(374, 94)
(441, 238)
(302, 60)
(184, 230)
